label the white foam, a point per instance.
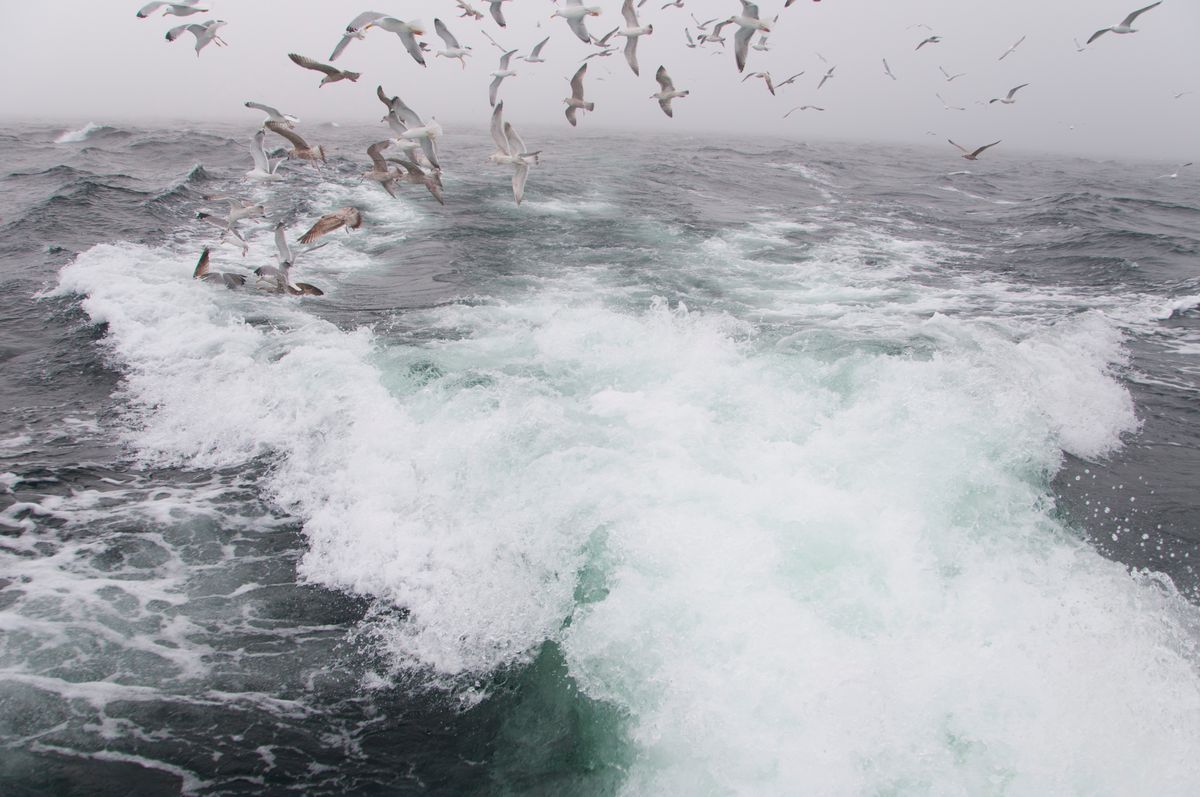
(832, 562)
(76, 136)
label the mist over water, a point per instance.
(740, 471)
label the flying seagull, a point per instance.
(205, 33)
(415, 174)
(1125, 25)
(947, 105)
(499, 76)
(575, 102)
(667, 91)
(510, 150)
(949, 77)
(350, 218)
(273, 114)
(535, 57)
(573, 13)
(748, 24)
(300, 148)
(766, 76)
(264, 168)
(802, 108)
(181, 8)
(225, 278)
(277, 279)
(973, 155)
(930, 40)
(415, 129)
(789, 81)
(828, 75)
(1174, 174)
(453, 48)
(497, 12)
(1010, 49)
(888, 70)
(332, 73)
(407, 31)
(1008, 100)
(356, 29)
(380, 171)
(632, 32)
(468, 10)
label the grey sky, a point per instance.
(95, 61)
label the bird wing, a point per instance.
(308, 63)
(290, 135)
(577, 84)
(444, 32)
(494, 88)
(580, 29)
(960, 146)
(149, 9)
(514, 140)
(497, 13)
(342, 45)
(1098, 34)
(1013, 91)
(741, 42)
(361, 21)
(373, 152)
(504, 59)
(537, 48)
(261, 163)
(981, 149)
(267, 109)
(518, 182)
(631, 52)
(327, 223)
(749, 10)
(664, 80)
(1129, 19)
(497, 129)
(629, 15)
(283, 251)
(201, 265)
(410, 44)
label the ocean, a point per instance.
(714, 468)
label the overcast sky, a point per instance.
(94, 60)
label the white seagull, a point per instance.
(1010, 49)
(576, 102)
(828, 75)
(453, 48)
(205, 33)
(972, 155)
(535, 57)
(748, 24)
(1008, 99)
(632, 32)
(510, 150)
(264, 168)
(574, 13)
(180, 8)
(357, 29)
(1125, 25)
(803, 108)
(415, 128)
(667, 91)
(949, 77)
(273, 114)
(499, 76)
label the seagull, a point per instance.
(380, 171)
(300, 148)
(715, 37)
(535, 57)
(238, 209)
(468, 10)
(225, 278)
(802, 108)
(1180, 94)
(1125, 25)
(277, 279)
(332, 73)
(273, 114)
(761, 45)
(667, 91)
(605, 50)
(1078, 47)
(181, 8)
(888, 70)
(357, 29)
(748, 24)
(971, 156)
(828, 75)
(766, 76)
(575, 101)
(673, 4)
(407, 31)
(574, 13)
(453, 48)
(632, 32)
(348, 217)
(1175, 173)
(947, 105)
(499, 76)
(399, 128)
(497, 12)
(691, 43)
(949, 77)
(264, 168)
(414, 128)
(1008, 100)
(205, 33)
(930, 40)
(510, 150)
(789, 81)
(1010, 49)
(415, 174)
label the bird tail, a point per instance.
(353, 76)
(589, 106)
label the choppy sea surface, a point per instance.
(710, 470)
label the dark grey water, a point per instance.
(703, 471)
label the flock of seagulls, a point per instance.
(410, 156)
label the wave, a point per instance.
(84, 133)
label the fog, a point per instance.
(96, 61)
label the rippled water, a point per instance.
(704, 471)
